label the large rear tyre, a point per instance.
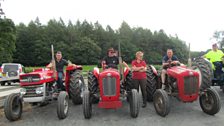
(93, 87)
(62, 107)
(210, 101)
(76, 86)
(13, 107)
(151, 84)
(128, 82)
(87, 105)
(134, 103)
(205, 72)
(2, 83)
(161, 102)
(223, 88)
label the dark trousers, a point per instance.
(142, 83)
(60, 81)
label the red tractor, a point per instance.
(38, 87)
(186, 85)
(107, 87)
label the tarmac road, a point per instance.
(181, 114)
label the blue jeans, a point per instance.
(60, 81)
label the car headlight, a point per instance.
(39, 90)
(23, 91)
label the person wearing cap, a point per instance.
(112, 60)
(215, 57)
(139, 75)
(60, 63)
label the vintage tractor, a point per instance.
(38, 87)
(213, 77)
(186, 85)
(105, 88)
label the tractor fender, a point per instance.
(126, 71)
(71, 68)
(96, 72)
(154, 70)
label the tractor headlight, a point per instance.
(23, 91)
(39, 90)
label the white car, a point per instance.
(10, 73)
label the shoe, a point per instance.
(144, 105)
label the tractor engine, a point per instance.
(109, 84)
(187, 82)
(34, 85)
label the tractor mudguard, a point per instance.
(96, 72)
(154, 70)
(126, 71)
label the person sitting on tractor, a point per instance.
(139, 75)
(112, 60)
(215, 57)
(169, 59)
(60, 63)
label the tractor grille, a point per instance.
(31, 91)
(30, 78)
(109, 86)
(190, 85)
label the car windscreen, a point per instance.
(9, 68)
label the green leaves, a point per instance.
(7, 40)
(82, 42)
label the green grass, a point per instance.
(86, 68)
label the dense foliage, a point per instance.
(85, 42)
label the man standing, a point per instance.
(60, 63)
(169, 59)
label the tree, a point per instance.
(7, 40)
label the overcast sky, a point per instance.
(194, 21)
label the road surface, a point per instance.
(181, 114)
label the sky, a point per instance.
(194, 21)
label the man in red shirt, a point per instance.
(139, 75)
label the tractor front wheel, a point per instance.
(13, 107)
(161, 102)
(210, 101)
(62, 107)
(134, 103)
(87, 105)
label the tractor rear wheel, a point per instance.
(2, 83)
(134, 103)
(223, 88)
(87, 105)
(161, 102)
(151, 84)
(128, 82)
(210, 101)
(13, 107)
(76, 85)
(93, 87)
(204, 70)
(62, 107)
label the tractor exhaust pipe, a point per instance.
(189, 56)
